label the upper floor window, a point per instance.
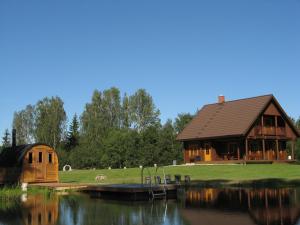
(269, 121)
(280, 122)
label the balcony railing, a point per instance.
(270, 131)
(281, 131)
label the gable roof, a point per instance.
(10, 157)
(232, 118)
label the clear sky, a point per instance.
(184, 53)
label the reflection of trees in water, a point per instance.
(70, 208)
(95, 211)
(10, 211)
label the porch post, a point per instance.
(293, 150)
(264, 148)
(246, 149)
(277, 150)
(262, 125)
(238, 152)
(276, 125)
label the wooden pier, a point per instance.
(134, 192)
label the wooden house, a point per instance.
(32, 163)
(247, 129)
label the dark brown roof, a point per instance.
(232, 118)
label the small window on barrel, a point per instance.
(50, 159)
(30, 158)
(40, 157)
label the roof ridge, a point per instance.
(241, 99)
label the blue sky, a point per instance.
(184, 53)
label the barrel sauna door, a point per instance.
(207, 153)
(40, 167)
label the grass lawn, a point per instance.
(235, 173)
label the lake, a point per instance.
(193, 206)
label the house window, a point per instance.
(269, 121)
(280, 122)
(40, 157)
(50, 160)
(30, 158)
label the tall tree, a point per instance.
(6, 139)
(143, 111)
(23, 122)
(170, 149)
(73, 133)
(93, 121)
(125, 115)
(149, 152)
(111, 107)
(182, 120)
(50, 121)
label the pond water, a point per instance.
(193, 206)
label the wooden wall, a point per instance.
(44, 171)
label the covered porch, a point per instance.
(238, 150)
(268, 149)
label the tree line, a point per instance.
(113, 131)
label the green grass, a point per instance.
(233, 173)
(10, 192)
(14, 191)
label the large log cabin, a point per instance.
(252, 129)
(31, 163)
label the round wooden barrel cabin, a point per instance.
(32, 163)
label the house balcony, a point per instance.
(281, 131)
(270, 131)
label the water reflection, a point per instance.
(30, 210)
(242, 206)
(81, 209)
(194, 206)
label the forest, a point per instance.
(114, 130)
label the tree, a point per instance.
(297, 124)
(73, 133)
(6, 139)
(92, 120)
(121, 149)
(111, 107)
(149, 151)
(142, 110)
(23, 122)
(125, 114)
(181, 121)
(50, 121)
(169, 148)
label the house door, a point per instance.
(40, 167)
(207, 153)
(233, 152)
